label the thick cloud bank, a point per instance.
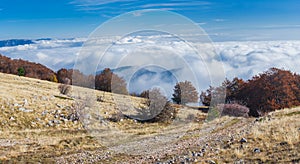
(53, 53)
(240, 59)
(246, 59)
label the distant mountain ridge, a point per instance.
(140, 79)
(15, 42)
(69, 42)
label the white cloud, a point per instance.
(96, 2)
(246, 59)
(220, 20)
(129, 5)
(54, 53)
(240, 59)
(176, 4)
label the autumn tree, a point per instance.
(185, 92)
(65, 76)
(80, 79)
(229, 89)
(26, 68)
(75, 77)
(266, 92)
(205, 96)
(271, 90)
(110, 82)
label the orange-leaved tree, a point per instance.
(185, 92)
(110, 82)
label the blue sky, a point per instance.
(221, 19)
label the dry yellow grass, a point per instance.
(25, 136)
(275, 135)
(27, 106)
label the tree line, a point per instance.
(271, 90)
(24, 68)
(268, 91)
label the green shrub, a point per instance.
(21, 71)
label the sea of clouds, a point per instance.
(240, 59)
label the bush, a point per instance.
(116, 117)
(75, 111)
(235, 110)
(158, 109)
(64, 89)
(53, 78)
(166, 115)
(21, 71)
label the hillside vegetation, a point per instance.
(37, 125)
(29, 69)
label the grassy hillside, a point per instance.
(35, 127)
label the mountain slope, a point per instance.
(34, 129)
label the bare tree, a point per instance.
(185, 92)
(158, 108)
(110, 82)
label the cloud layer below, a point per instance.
(246, 59)
(240, 59)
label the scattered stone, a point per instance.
(65, 120)
(283, 143)
(211, 162)
(12, 118)
(45, 112)
(25, 102)
(25, 110)
(256, 150)
(197, 154)
(38, 119)
(44, 98)
(239, 162)
(60, 106)
(16, 104)
(56, 121)
(22, 109)
(50, 123)
(243, 140)
(28, 110)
